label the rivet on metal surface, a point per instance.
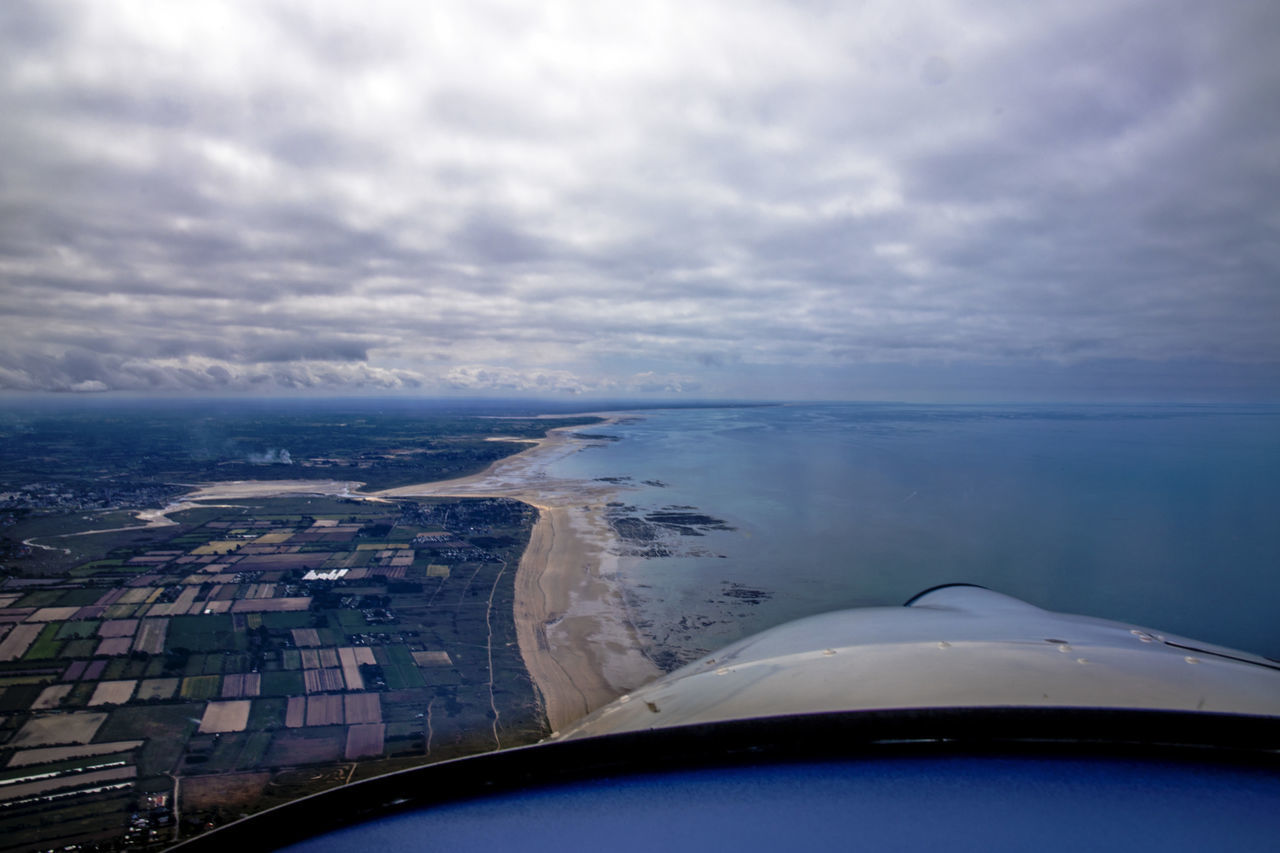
(722, 671)
(1190, 659)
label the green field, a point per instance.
(399, 669)
(46, 646)
(282, 684)
(201, 687)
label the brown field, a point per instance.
(266, 562)
(351, 667)
(310, 658)
(295, 715)
(50, 697)
(53, 614)
(78, 780)
(224, 546)
(222, 717)
(157, 688)
(47, 754)
(362, 708)
(303, 637)
(113, 692)
(15, 645)
(328, 658)
(364, 739)
(431, 658)
(114, 646)
(178, 607)
(241, 685)
(232, 790)
(271, 605)
(323, 680)
(118, 628)
(324, 710)
(77, 727)
(292, 747)
(151, 636)
(136, 596)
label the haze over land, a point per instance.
(747, 199)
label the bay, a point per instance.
(1163, 516)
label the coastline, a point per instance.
(577, 643)
(572, 626)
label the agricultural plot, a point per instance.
(201, 687)
(241, 685)
(18, 640)
(151, 636)
(74, 727)
(47, 644)
(225, 717)
(118, 628)
(296, 712)
(77, 629)
(399, 667)
(305, 637)
(114, 646)
(324, 710)
(432, 658)
(51, 697)
(197, 676)
(49, 754)
(53, 614)
(364, 740)
(157, 688)
(78, 780)
(362, 708)
(113, 692)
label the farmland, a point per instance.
(282, 641)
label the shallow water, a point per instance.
(1160, 516)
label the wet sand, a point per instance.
(571, 620)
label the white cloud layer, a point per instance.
(718, 199)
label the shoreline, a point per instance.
(572, 624)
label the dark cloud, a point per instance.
(768, 200)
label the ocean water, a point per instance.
(1167, 517)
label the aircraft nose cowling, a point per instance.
(957, 646)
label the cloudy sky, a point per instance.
(835, 200)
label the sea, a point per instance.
(1162, 516)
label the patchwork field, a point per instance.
(257, 653)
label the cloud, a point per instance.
(561, 198)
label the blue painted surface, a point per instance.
(957, 803)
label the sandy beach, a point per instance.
(571, 622)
